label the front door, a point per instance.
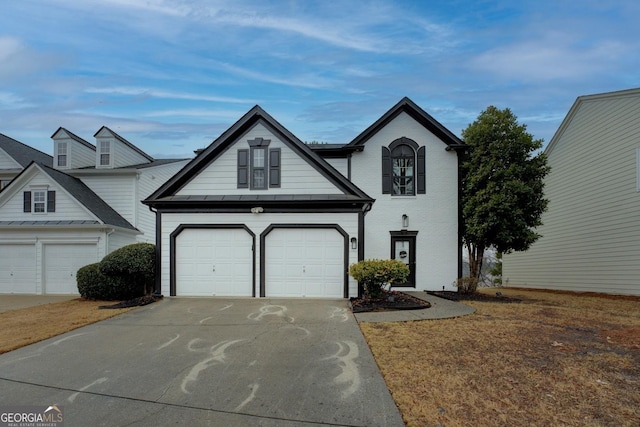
(403, 248)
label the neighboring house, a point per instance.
(260, 213)
(591, 231)
(59, 214)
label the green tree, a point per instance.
(502, 186)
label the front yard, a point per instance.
(553, 359)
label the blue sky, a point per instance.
(171, 76)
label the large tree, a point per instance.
(502, 186)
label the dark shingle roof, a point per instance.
(88, 198)
(22, 153)
(76, 138)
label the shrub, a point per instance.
(92, 284)
(467, 285)
(135, 263)
(374, 274)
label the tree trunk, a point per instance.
(476, 256)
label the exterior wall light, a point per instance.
(257, 210)
(354, 243)
(405, 221)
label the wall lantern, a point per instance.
(405, 221)
(354, 243)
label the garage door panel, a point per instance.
(17, 268)
(62, 262)
(214, 262)
(304, 262)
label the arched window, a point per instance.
(403, 160)
(403, 168)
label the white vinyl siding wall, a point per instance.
(78, 155)
(117, 190)
(434, 214)
(7, 162)
(591, 231)
(297, 176)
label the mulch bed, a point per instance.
(136, 302)
(456, 296)
(391, 300)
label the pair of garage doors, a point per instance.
(295, 262)
(19, 273)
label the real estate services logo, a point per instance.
(31, 416)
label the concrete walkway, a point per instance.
(440, 309)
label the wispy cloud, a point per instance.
(158, 93)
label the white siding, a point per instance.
(117, 240)
(434, 214)
(297, 176)
(257, 224)
(67, 208)
(149, 181)
(118, 191)
(591, 231)
(341, 165)
(78, 155)
(121, 154)
(7, 162)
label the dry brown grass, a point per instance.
(29, 325)
(555, 359)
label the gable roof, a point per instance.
(75, 138)
(418, 114)
(125, 142)
(166, 193)
(83, 194)
(22, 153)
(576, 106)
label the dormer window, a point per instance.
(403, 168)
(62, 154)
(105, 153)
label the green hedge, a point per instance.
(126, 273)
(374, 274)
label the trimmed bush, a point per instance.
(374, 274)
(92, 284)
(134, 263)
(467, 285)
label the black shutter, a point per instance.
(274, 167)
(243, 168)
(51, 201)
(387, 179)
(422, 182)
(27, 201)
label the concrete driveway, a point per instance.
(217, 362)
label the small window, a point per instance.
(62, 154)
(39, 201)
(105, 153)
(258, 176)
(404, 168)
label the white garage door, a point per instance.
(304, 262)
(214, 262)
(61, 263)
(18, 269)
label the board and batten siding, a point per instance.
(591, 231)
(220, 177)
(433, 215)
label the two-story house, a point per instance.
(260, 213)
(60, 213)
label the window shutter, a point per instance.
(422, 182)
(243, 168)
(386, 171)
(274, 167)
(27, 201)
(51, 201)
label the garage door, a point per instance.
(61, 263)
(214, 262)
(18, 269)
(301, 262)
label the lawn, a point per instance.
(29, 325)
(554, 359)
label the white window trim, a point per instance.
(100, 153)
(38, 189)
(65, 154)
